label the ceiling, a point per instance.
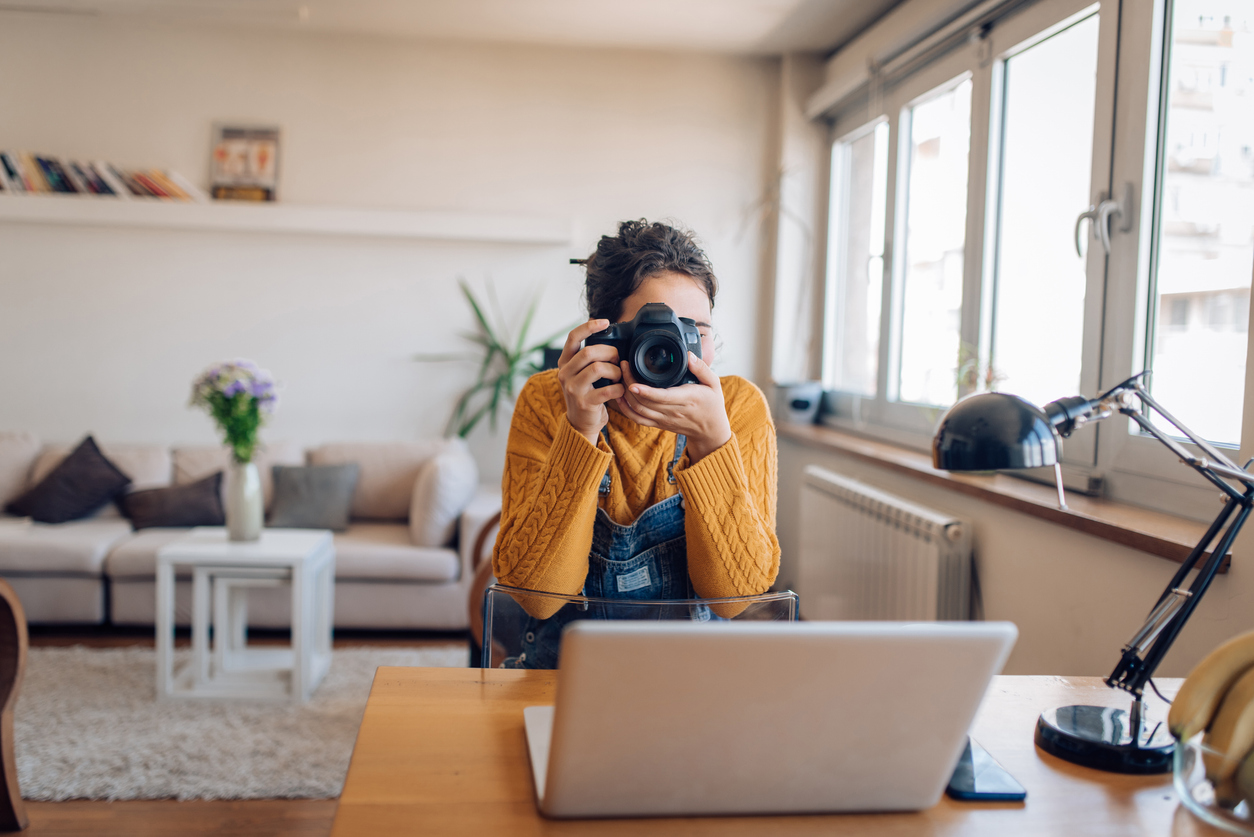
(744, 27)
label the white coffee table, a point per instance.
(222, 572)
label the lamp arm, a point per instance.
(1143, 653)
(1206, 447)
(1209, 470)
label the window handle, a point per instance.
(1091, 215)
(1099, 217)
(1105, 209)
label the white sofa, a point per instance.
(99, 570)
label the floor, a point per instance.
(245, 818)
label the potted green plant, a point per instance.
(504, 363)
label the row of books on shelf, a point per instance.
(25, 173)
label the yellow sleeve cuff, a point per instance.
(578, 461)
(717, 477)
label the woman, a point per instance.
(632, 492)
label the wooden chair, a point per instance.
(13, 645)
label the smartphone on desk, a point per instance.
(979, 778)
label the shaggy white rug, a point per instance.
(88, 726)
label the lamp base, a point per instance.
(1103, 737)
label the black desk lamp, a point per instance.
(994, 431)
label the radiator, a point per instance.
(866, 554)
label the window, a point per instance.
(855, 262)
(993, 140)
(1204, 239)
(930, 282)
(1046, 156)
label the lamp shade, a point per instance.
(991, 431)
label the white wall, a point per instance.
(803, 172)
(1076, 599)
(102, 330)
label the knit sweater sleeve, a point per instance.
(730, 502)
(548, 495)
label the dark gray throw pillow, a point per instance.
(79, 485)
(195, 504)
(313, 497)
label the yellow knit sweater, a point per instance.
(552, 476)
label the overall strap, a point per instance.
(604, 490)
(680, 441)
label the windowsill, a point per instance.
(1158, 534)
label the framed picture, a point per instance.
(245, 163)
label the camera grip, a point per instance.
(608, 337)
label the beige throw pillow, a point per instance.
(444, 487)
(388, 470)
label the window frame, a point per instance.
(1129, 125)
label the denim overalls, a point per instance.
(646, 560)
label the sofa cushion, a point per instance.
(80, 484)
(75, 548)
(136, 557)
(312, 496)
(18, 451)
(194, 504)
(371, 551)
(442, 489)
(196, 462)
(383, 551)
(387, 475)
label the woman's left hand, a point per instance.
(694, 410)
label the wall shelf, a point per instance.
(75, 210)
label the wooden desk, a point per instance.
(442, 751)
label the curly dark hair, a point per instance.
(640, 250)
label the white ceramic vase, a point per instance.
(244, 506)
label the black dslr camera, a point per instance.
(656, 344)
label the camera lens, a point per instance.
(659, 360)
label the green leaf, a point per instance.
(459, 411)
(496, 400)
(503, 340)
(469, 425)
(486, 365)
(526, 325)
(474, 306)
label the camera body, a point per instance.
(656, 344)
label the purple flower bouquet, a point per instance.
(239, 396)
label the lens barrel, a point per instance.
(659, 359)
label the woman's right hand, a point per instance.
(578, 369)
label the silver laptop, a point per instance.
(681, 718)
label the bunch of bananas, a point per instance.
(1218, 697)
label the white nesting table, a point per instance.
(222, 572)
